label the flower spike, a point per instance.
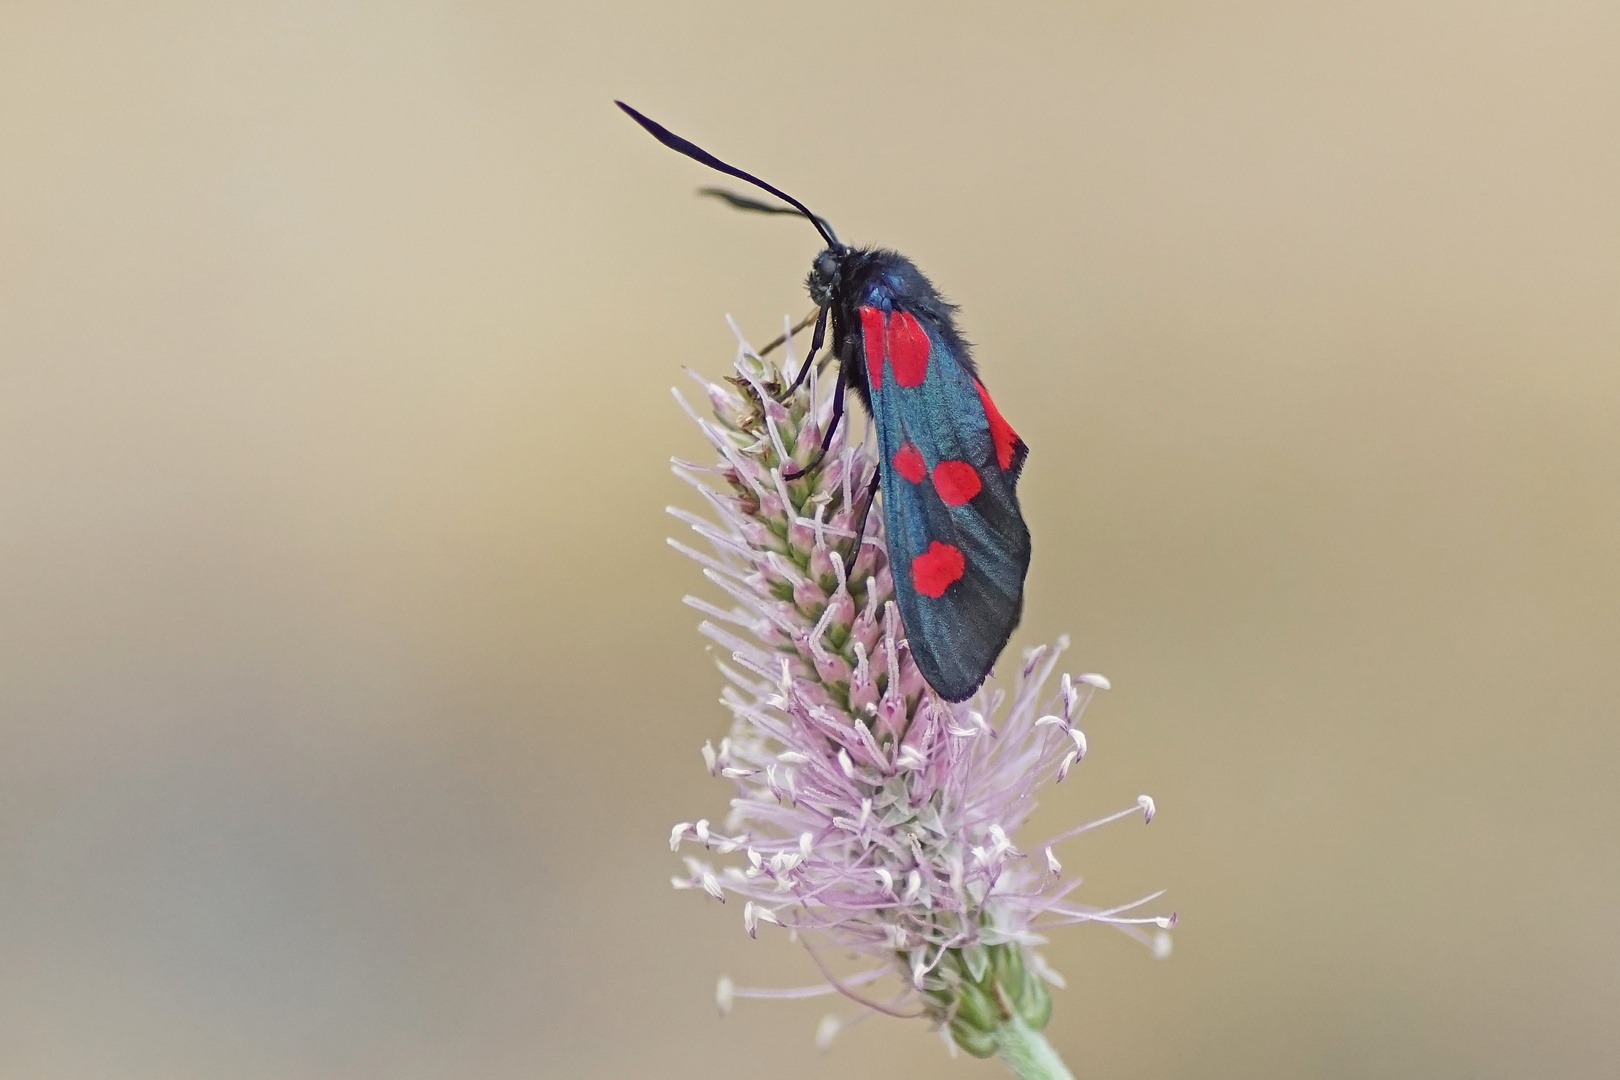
(868, 814)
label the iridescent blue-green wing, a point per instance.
(958, 545)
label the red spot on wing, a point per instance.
(956, 481)
(908, 349)
(908, 462)
(872, 332)
(934, 570)
(1001, 432)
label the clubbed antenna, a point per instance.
(745, 202)
(698, 154)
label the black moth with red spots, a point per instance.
(958, 545)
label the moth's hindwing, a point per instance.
(958, 545)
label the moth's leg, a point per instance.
(832, 429)
(815, 344)
(782, 339)
(860, 522)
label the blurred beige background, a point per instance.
(346, 696)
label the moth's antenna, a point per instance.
(698, 154)
(744, 202)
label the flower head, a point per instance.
(869, 815)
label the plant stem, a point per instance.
(1028, 1054)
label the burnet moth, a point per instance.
(958, 545)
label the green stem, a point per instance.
(1027, 1053)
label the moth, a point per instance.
(949, 462)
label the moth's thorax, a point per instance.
(868, 277)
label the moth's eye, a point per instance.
(826, 265)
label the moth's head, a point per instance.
(826, 275)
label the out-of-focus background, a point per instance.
(346, 696)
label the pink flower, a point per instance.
(869, 814)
